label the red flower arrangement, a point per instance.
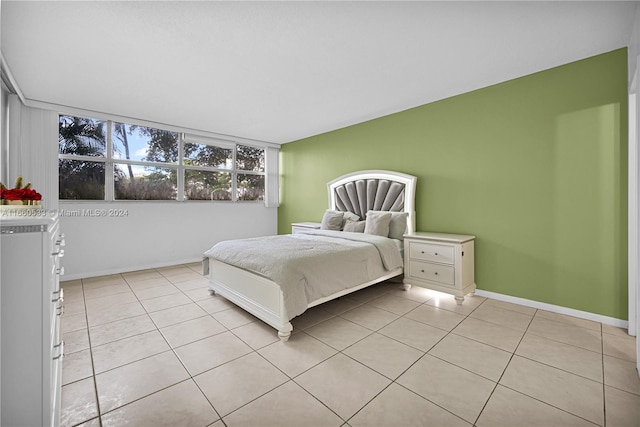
(25, 195)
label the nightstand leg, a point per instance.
(284, 335)
(406, 286)
(459, 300)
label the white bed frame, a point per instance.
(263, 298)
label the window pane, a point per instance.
(205, 185)
(250, 158)
(250, 187)
(80, 180)
(208, 155)
(135, 182)
(145, 144)
(81, 136)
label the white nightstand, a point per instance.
(301, 227)
(442, 262)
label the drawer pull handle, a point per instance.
(60, 298)
(60, 253)
(436, 273)
(421, 252)
(61, 353)
(436, 253)
(422, 271)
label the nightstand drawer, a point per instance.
(303, 227)
(429, 252)
(433, 272)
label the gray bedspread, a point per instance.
(314, 265)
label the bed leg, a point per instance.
(212, 292)
(284, 332)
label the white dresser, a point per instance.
(439, 261)
(31, 346)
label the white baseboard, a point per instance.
(68, 277)
(612, 321)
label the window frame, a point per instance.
(183, 137)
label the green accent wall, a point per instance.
(535, 168)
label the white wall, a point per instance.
(153, 234)
(634, 46)
(4, 132)
(634, 182)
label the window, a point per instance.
(108, 160)
(208, 170)
(144, 162)
(82, 155)
(250, 176)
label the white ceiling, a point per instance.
(280, 71)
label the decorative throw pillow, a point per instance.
(398, 225)
(349, 217)
(355, 226)
(331, 220)
(378, 223)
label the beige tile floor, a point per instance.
(152, 348)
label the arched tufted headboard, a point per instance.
(379, 190)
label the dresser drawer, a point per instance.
(431, 252)
(433, 272)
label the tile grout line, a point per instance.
(393, 381)
(505, 369)
(100, 413)
(191, 377)
(556, 367)
(551, 366)
(138, 334)
(292, 379)
(549, 404)
(93, 367)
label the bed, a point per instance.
(277, 278)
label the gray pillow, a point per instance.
(349, 217)
(354, 226)
(378, 223)
(331, 220)
(398, 225)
